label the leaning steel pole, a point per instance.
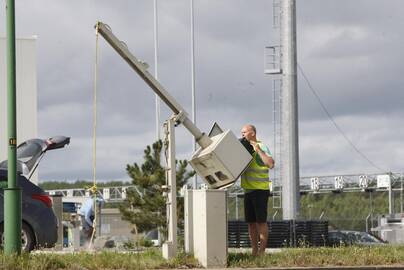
(289, 112)
(12, 194)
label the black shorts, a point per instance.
(256, 206)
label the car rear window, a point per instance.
(3, 176)
(3, 179)
(26, 152)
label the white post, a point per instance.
(401, 193)
(76, 238)
(170, 246)
(188, 221)
(391, 210)
(237, 207)
(210, 227)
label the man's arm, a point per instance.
(268, 160)
(88, 217)
(87, 210)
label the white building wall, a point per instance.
(26, 93)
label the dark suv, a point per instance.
(346, 238)
(39, 224)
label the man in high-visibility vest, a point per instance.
(256, 185)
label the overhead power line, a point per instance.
(335, 124)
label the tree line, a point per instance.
(50, 185)
(145, 206)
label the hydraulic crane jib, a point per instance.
(221, 158)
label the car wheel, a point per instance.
(27, 237)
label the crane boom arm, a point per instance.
(141, 70)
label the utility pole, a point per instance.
(289, 112)
(391, 199)
(170, 246)
(12, 194)
(156, 44)
(195, 180)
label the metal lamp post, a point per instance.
(290, 141)
(157, 99)
(195, 180)
(12, 194)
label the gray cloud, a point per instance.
(350, 50)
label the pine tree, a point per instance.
(145, 205)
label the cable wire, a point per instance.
(94, 187)
(335, 124)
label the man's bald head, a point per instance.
(249, 132)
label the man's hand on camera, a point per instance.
(257, 148)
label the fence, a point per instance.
(282, 233)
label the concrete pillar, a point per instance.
(188, 222)
(210, 227)
(57, 205)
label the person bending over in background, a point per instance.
(87, 216)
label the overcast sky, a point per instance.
(351, 51)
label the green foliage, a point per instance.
(346, 210)
(50, 185)
(144, 242)
(134, 245)
(145, 206)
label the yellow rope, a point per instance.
(93, 189)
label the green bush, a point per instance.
(144, 242)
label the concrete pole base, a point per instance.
(169, 250)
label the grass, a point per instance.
(152, 259)
(341, 256)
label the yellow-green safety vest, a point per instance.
(256, 176)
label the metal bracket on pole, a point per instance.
(179, 118)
